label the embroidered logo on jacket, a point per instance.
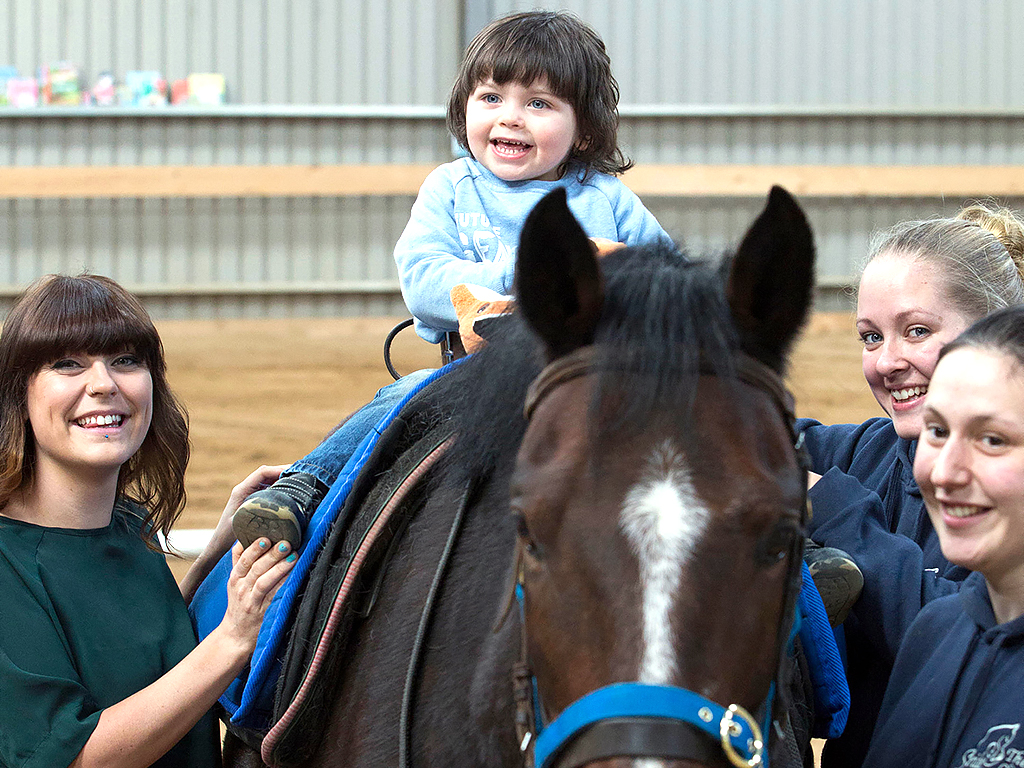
(994, 750)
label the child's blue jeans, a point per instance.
(326, 461)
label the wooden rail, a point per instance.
(38, 182)
(848, 181)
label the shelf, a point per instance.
(434, 112)
(230, 111)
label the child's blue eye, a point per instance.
(491, 98)
(538, 104)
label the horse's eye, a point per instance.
(523, 532)
(776, 544)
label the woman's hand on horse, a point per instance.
(256, 574)
(223, 535)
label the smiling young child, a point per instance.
(536, 106)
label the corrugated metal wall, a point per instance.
(841, 82)
(249, 256)
(703, 81)
(902, 53)
(270, 51)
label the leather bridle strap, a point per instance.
(583, 360)
(416, 656)
(755, 373)
(577, 363)
(617, 736)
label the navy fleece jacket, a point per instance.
(956, 694)
(868, 504)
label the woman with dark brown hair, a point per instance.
(98, 659)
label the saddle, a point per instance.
(343, 584)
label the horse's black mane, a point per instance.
(664, 317)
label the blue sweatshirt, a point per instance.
(956, 696)
(465, 225)
(868, 504)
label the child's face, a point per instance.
(519, 132)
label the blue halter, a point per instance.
(739, 735)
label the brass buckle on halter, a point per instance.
(729, 728)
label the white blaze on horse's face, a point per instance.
(664, 519)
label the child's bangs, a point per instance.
(524, 64)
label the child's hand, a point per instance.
(603, 246)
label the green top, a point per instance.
(87, 618)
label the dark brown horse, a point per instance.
(648, 501)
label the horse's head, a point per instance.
(657, 491)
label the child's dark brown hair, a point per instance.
(569, 54)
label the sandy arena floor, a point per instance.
(266, 391)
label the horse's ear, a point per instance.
(559, 287)
(772, 279)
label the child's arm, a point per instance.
(636, 225)
(431, 259)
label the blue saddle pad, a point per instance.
(249, 700)
(824, 661)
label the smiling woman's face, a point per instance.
(970, 463)
(903, 319)
(89, 413)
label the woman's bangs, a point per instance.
(91, 320)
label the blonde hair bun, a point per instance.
(1005, 224)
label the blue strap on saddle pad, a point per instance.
(824, 661)
(249, 700)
